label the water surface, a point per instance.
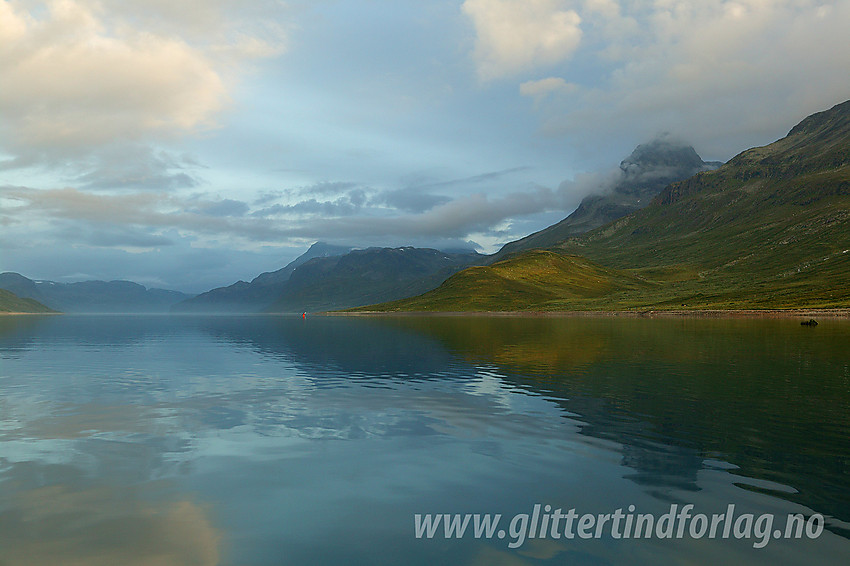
(276, 440)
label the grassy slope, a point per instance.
(11, 303)
(767, 230)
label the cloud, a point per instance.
(153, 211)
(546, 86)
(75, 204)
(310, 207)
(245, 29)
(327, 188)
(226, 207)
(608, 8)
(109, 525)
(351, 217)
(515, 36)
(419, 197)
(124, 237)
(410, 200)
(69, 82)
(456, 219)
(129, 166)
(303, 202)
(473, 179)
(594, 182)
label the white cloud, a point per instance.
(513, 36)
(12, 25)
(81, 75)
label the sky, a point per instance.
(190, 144)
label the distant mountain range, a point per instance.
(325, 277)
(92, 296)
(261, 292)
(333, 277)
(361, 277)
(769, 229)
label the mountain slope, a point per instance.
(645, 173)
(767, 230)
(368, 276)
(261, 292)
(319, 249)
(11, 303)
(92, 296)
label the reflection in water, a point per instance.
(45, 526)
(766, 395)
(269, 440)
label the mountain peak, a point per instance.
(817, 143)
(834, 119)
(661, 153)
(323, 248)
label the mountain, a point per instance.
(92, 296)
(766, 230)
(319, 249)
(11, 303)
(261, 292)
(328, 277)
(19, 285)
(641, 176)
(368, 276)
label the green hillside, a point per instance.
(538, 279)
(767, 230)
(11, 303)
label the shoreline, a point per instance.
(840, 313)
(731, 313)
(28, 313)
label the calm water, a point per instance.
(267, 441)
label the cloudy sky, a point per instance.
(187, 144)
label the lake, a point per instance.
(262, 440)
